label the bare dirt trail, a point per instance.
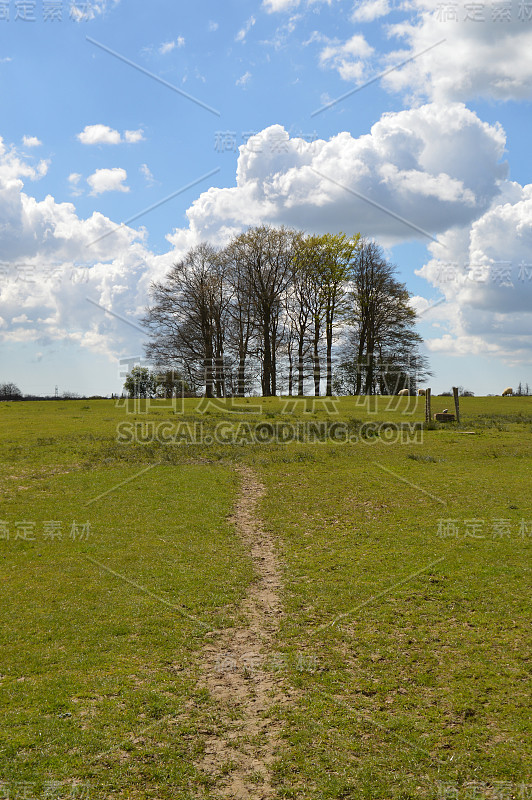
(237, 674)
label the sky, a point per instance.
(131, 131)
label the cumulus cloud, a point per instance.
(431, 168)
(13, 167)
(132, 137)
(99, 134)
(31, 141)
(485, 273)
(103, 134)
(52, 260)
(425, 169)
(455, 51)
(347, 57)
(369, 10)
(486, 52)
(108, 180)
(38, 231)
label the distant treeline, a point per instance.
(17, 396)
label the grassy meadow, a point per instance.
(406, 565)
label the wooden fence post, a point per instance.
(456, 403)
(428, 414)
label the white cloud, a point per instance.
(273, 6)
(99, 134)
(280, 5)
(369, 10)
(484, 58)
(433, 166)
(147, 173)
(74, 179)
(241, 35)
(13, 168)
(451, 57)
(213, 26)
(31, 141)
(347, 57)
(108, 180)
(485, 274)
(283, 33)
(167, 47)
(244, 79)
(103, 134)
(56, 260)
(132, 137)
(82, 12)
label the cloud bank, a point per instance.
(425, 169)
(431, 168)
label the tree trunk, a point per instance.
(274, 368)
(219, 366)
(208, 372)
(266, 360)
(316, 359)
(329, 336)
(300, 367)
(360, 356)
(370, 371)
(241, 373)
(290, 372)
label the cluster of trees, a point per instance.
(10, 391)
(461, 392)
(270, 307)
(142, 382)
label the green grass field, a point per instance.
(406, 564)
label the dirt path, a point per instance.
(239, 672)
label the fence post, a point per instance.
(428, 415)
(456, 403)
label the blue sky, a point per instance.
(91, 140)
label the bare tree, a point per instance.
(273, 297)
(241, 325)
(264, 257)
(299, 313)
(188, 317)
(383, 338)
(10, 391)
